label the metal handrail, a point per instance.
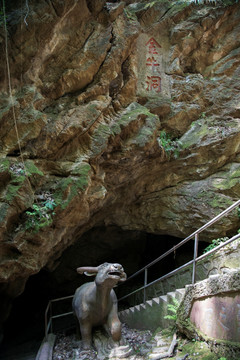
(194, 235)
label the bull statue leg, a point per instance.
(114, 324)
(86, 332)
(78, 332)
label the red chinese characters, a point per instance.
(152, 46)
(153, 83)
(153, 80)
(151, 61)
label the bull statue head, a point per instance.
(106, 274)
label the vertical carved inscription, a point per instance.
(153, 79)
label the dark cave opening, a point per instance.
(133, 249)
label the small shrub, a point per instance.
(170, 146)
(215, 243)
(40, 215)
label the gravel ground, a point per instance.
(68, 347)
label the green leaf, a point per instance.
(172, 308)
(40, 215)
(170, 317)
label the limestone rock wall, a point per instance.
(119, 114)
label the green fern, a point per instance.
(169, 146)
(172, 308)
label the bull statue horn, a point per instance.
(88, 270)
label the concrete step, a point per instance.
(164, 298)
(156, 300)
(170, 296)
(149, 303)
(151, 313)
(179, 293)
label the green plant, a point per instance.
(130, 15)
(172, 308)
(197, 122)
(40, 215)
(169, 146)
(222, 358)
(215, 243)
(238, 211)
(150, 4)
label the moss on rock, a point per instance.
(219, 201)
(137, 124)
(68, 188)
(32, 168)
(194, 135)
(4, 165)
(229, 180)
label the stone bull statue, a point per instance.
(95, 303)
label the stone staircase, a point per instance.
(152, 313)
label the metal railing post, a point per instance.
(51, 317)
(194, 258)
(145, 283)
(46, 320)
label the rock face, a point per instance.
(114, 114)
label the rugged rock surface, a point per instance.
(118, 114)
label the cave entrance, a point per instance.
(132, 249)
